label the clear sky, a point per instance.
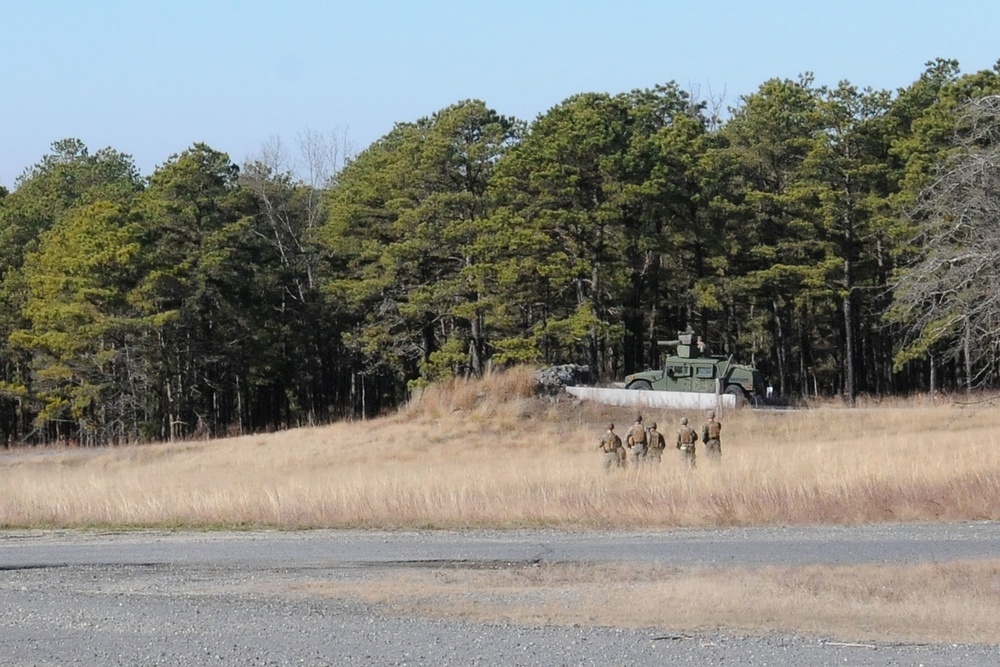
(151, 78)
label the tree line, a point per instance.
(843, 240)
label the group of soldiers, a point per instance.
(645, 445)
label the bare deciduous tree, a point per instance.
(291, 192)
(948, 296)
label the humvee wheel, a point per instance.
(737, 392)
(641, 385)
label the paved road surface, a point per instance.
(158, 598)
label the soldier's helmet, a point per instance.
(711, 414)
(638, 419)
(611, 427)
(653, 425)
(684, 421)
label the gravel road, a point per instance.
(158, 598)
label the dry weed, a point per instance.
(489, 454)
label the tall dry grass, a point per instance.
(488, 454)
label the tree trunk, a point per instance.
(476, 345)
(933, 375)
(967, 353)
(850, 382)
(779, 352)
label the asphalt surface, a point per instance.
(163, 598)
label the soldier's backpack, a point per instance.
(655, 439)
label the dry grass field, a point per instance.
(488, 454)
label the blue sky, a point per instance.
(150, 79)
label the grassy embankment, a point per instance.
(487, 454)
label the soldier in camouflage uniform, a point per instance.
(637, 441)
(710, 435)
(611, 445)
(657, 443)
(686, 437)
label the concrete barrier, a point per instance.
(653, 399)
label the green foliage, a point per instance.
(602, 190)
(80, 324)
(516, 350)
(929, 337)
(405, 226)
(446, 362)
(75, 198)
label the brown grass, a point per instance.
(951, 602)
(488, 454)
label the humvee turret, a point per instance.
(693, 368)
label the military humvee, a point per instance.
(694, 370)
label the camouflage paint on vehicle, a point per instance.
(691, 371)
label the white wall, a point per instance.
(653, 399)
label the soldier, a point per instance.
(703, 349)
(611, 445)
(656, 444)
(637, 441)
(686, 437)
(710, 434)
(622, 455)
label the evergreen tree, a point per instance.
(202, 257)
(404, 223)
(777, 292)
(82, 330)
(64, 181)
